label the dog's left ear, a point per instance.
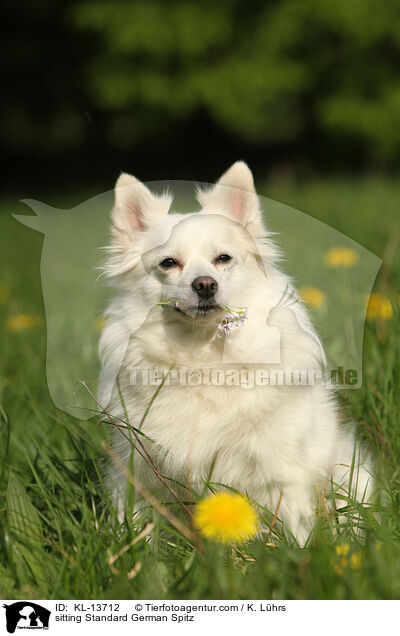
(235, 196)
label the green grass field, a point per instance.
(59, 537)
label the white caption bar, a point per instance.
(168, 617)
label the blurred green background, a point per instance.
(180, 89)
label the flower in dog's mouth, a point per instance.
(170, 303)
(202, 309)
(226, 517)
(234, 317)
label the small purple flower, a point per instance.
(234, 317)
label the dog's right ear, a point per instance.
(135, 208)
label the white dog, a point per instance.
(184, 281)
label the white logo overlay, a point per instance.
(332, 279)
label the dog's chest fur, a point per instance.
(254, 437)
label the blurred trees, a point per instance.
(312, 78)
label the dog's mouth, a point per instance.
(207, 308)
(200, 310)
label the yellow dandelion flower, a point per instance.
(19, 322)
(342, 550)
(340, 257)
(226, 517)
(100, 323)
(379, 307)
(336, 568)
(355, 560)
(4, 293)
(312, 295)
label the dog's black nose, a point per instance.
(205, 286)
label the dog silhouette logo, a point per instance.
(26, 615)
(77, 286)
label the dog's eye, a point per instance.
(168, 263)
(223, 258)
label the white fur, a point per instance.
(264, 439)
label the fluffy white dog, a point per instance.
(201, 296)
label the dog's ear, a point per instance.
(234, 195)
(135, 207)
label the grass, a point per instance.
(59, 535)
